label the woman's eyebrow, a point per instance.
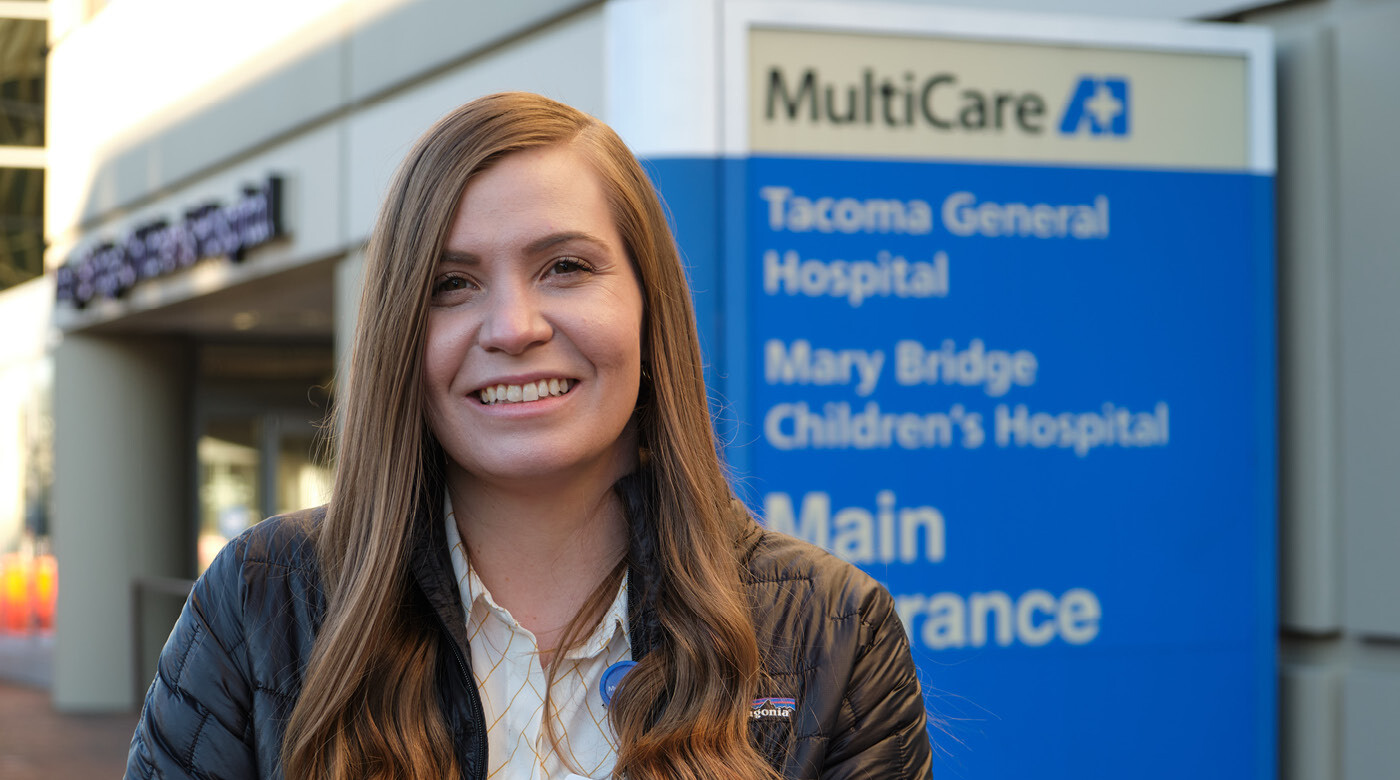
(458, 258)
(554, 239)
(542, 244)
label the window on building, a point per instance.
(23, 50)
(23, 63)
(21, 225)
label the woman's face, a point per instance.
(534, 345)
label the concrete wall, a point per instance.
(1339, 277)
(151, 93)
(304, 106)
(121, 450)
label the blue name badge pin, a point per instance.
(612, 676)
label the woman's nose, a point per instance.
(514, 321)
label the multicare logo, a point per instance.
(1099, 104)
(942, 101)
(770, 707)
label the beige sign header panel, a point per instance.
(941, 97)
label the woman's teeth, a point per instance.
(534, 391)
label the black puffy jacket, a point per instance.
(232, 669)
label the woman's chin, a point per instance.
(547, 470)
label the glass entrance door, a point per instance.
(258, 408)
(253, 466)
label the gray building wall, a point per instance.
(1339, 275)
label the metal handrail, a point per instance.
(140, 586)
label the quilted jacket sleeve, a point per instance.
(833, 642)
(196, 717)
(883, 731)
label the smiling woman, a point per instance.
(532, 565)
(535, 286)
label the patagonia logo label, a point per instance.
(770, 707)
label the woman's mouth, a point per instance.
(530, 391)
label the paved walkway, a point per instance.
(37, 743)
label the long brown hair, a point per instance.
(368, 707)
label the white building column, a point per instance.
(349, 277)
(120, 503)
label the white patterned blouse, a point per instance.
(505, 663)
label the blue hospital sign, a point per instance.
(998, 328)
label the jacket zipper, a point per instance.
(473, 699)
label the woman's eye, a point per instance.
(450, 284)
(568, 265)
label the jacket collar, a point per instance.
(431, 567)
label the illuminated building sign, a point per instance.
(110, 269)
